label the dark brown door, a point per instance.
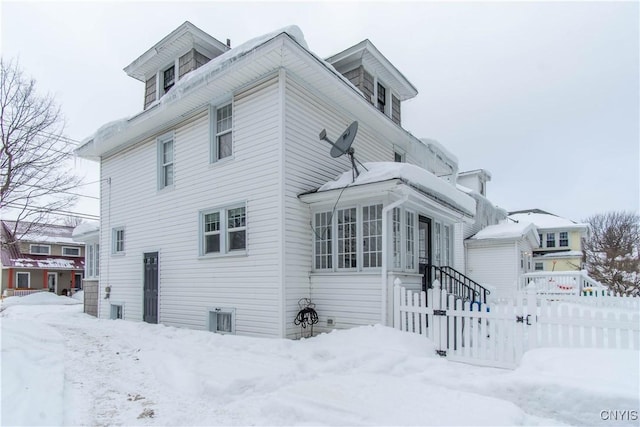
(424, 250)
(150, 314)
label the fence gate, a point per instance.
(466, 331)
(499, 334)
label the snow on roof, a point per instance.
(42, 233)
(438, 148)
(544, 221)
(507, 230)
(564, 254)
(197, 77)
(412, 175)
(85, 228)
(53, 263)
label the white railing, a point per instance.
(23, 292)
(498, 334)
(560, 282)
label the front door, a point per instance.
(52, 282)
(424, 249)
(150, 314)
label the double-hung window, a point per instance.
(221, 132)
(169, 78)
(223, 230)
(551, 240)
(382, 98)
(410, 261)
(117, 238)
(564, 239)
(165, 161)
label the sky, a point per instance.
(71, 369)
(543, 95)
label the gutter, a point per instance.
(385, 244)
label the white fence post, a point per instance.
(532, 316)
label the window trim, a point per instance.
(566, 239)
(114, 249)
(214, 134)
(161, 141)
(42, 246)
(547, 241)
(223, 231)
(212, 326)
(28, 274)
(72, 247)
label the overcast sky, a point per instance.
(543, 95)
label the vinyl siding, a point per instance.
(494, 265)
(308, 165)
(167, 221)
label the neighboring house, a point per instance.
(220, 207)
(560, 240)
(45, 258)
(498, 255)
(89, 234)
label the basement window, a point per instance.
(222, 320)
(116, 311)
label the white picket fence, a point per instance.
(498, 334)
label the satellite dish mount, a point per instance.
(343, 146)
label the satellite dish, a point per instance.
(343, 144)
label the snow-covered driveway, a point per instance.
(62, 367)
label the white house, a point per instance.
(220, 205)
(498, 256)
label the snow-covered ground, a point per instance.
(62, 367)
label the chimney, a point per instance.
(228, 42)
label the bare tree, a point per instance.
(612, 251)
(35, 177)
(72, 221)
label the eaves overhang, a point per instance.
(373, 60)
(425, 200)
(175, 44)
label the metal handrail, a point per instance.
(456, 283)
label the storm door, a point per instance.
(150, 314)
(424, 250)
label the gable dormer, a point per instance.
(475, 180)
(185, 49)
(379, 81)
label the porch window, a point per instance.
(347, 238)
(540, 238)
(410, 263)
(437, 249)
(372, 236)
(23, 279)
(551, 240)
(564, 239)
(397, 238)
(539, 266)
(89, 268)
(446, 250)
(323, 250)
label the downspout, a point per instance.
(385, 240)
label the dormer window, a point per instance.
(169, 78)
(382, 98)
